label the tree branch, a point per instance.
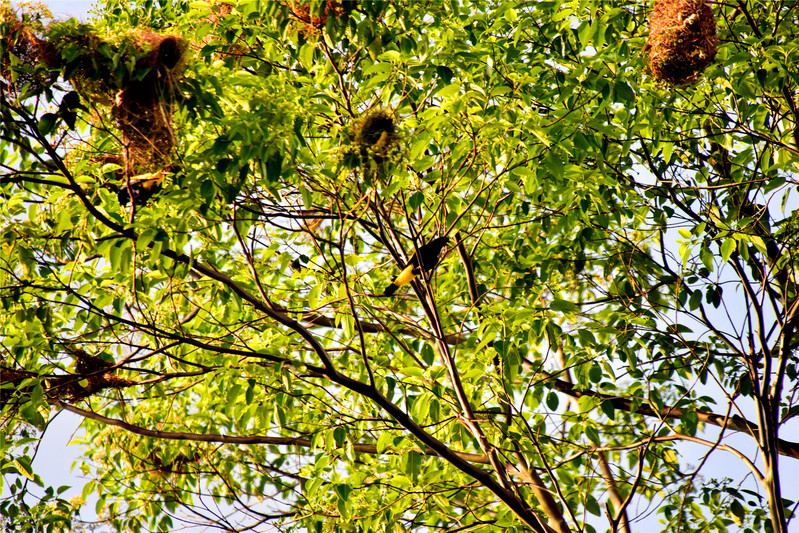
(734, 423)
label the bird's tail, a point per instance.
(391, 289)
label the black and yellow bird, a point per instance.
(141, 188)
(426, 258)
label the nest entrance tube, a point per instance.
(682, 40)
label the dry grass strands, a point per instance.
(682, 40)
(219, 10)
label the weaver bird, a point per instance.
(141, 188)
(426, 258)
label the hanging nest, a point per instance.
(143, 108)
(33, 56)
(141, 96)
(225, 44)
(315, 22)
(92, 375)
(135, 73)
(682, 40)
(219, 10)
(375, 136)
(81, 63)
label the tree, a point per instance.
(618, 290)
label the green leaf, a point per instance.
(445, 73)
(552, 401)
(690, 421)
(24, 467)
(415, 201)
(384, 442)
(342, 490)
(274, 164)
(586, 33)
(592, 506)
(707, 257)
(595, 373)
(608, 409)
(510, 15)
(555, 165)
(249, 395)
(623, 93)
(593, 435)
(47, 123)
(306, 55)
(586, 337)
(563, 306)
(412, 463)
(307, 197)
(339, 435)
(449, 90)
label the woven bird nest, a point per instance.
(18, 38)
(376, 136)
(142, 95)
(682, 40)
(143, 108)
(311, 22)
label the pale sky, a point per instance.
(69, 8)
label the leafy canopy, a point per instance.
(619, 289)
